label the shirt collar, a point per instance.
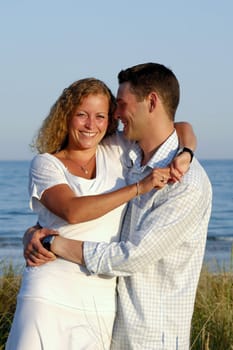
(161, 158)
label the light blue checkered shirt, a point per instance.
(159, 257)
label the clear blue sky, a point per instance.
(45, 45)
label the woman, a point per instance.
(59, 305)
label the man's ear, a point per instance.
(152, 100)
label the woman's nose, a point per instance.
(90, 122)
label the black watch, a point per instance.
(47, 241)
(186, 149)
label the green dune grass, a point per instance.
(9, 285)
(212, 324)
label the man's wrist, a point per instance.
(68, 249)
(58, 246)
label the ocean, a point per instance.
(16, 216)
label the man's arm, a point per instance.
(165, 228)
(68, 249)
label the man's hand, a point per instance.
(34, 253)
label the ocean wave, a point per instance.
(10, 242)
(6, 212)
(228, 238)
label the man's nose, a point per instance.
(116, 114)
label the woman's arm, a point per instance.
(78, 209)
(181, 162)
(186, 135)
(62, 201)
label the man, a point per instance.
(159, 257)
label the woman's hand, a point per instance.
(179, 166)
(158, 178)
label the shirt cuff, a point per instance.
(91, 257)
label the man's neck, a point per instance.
(151, 144)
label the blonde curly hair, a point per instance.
(53, 134)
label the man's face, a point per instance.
(131, 113)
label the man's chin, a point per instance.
(129, 137)
(126, 134)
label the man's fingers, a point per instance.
(37, 248)
(41, 254)
(36, 260)
(42, 257)
(32, 262)
(46, 232)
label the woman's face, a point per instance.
(89, 123)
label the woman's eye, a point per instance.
(82, 115)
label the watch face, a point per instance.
(46, 242)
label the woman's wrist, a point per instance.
(187, 150)
(138, 189)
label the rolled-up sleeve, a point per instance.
(171, 223)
